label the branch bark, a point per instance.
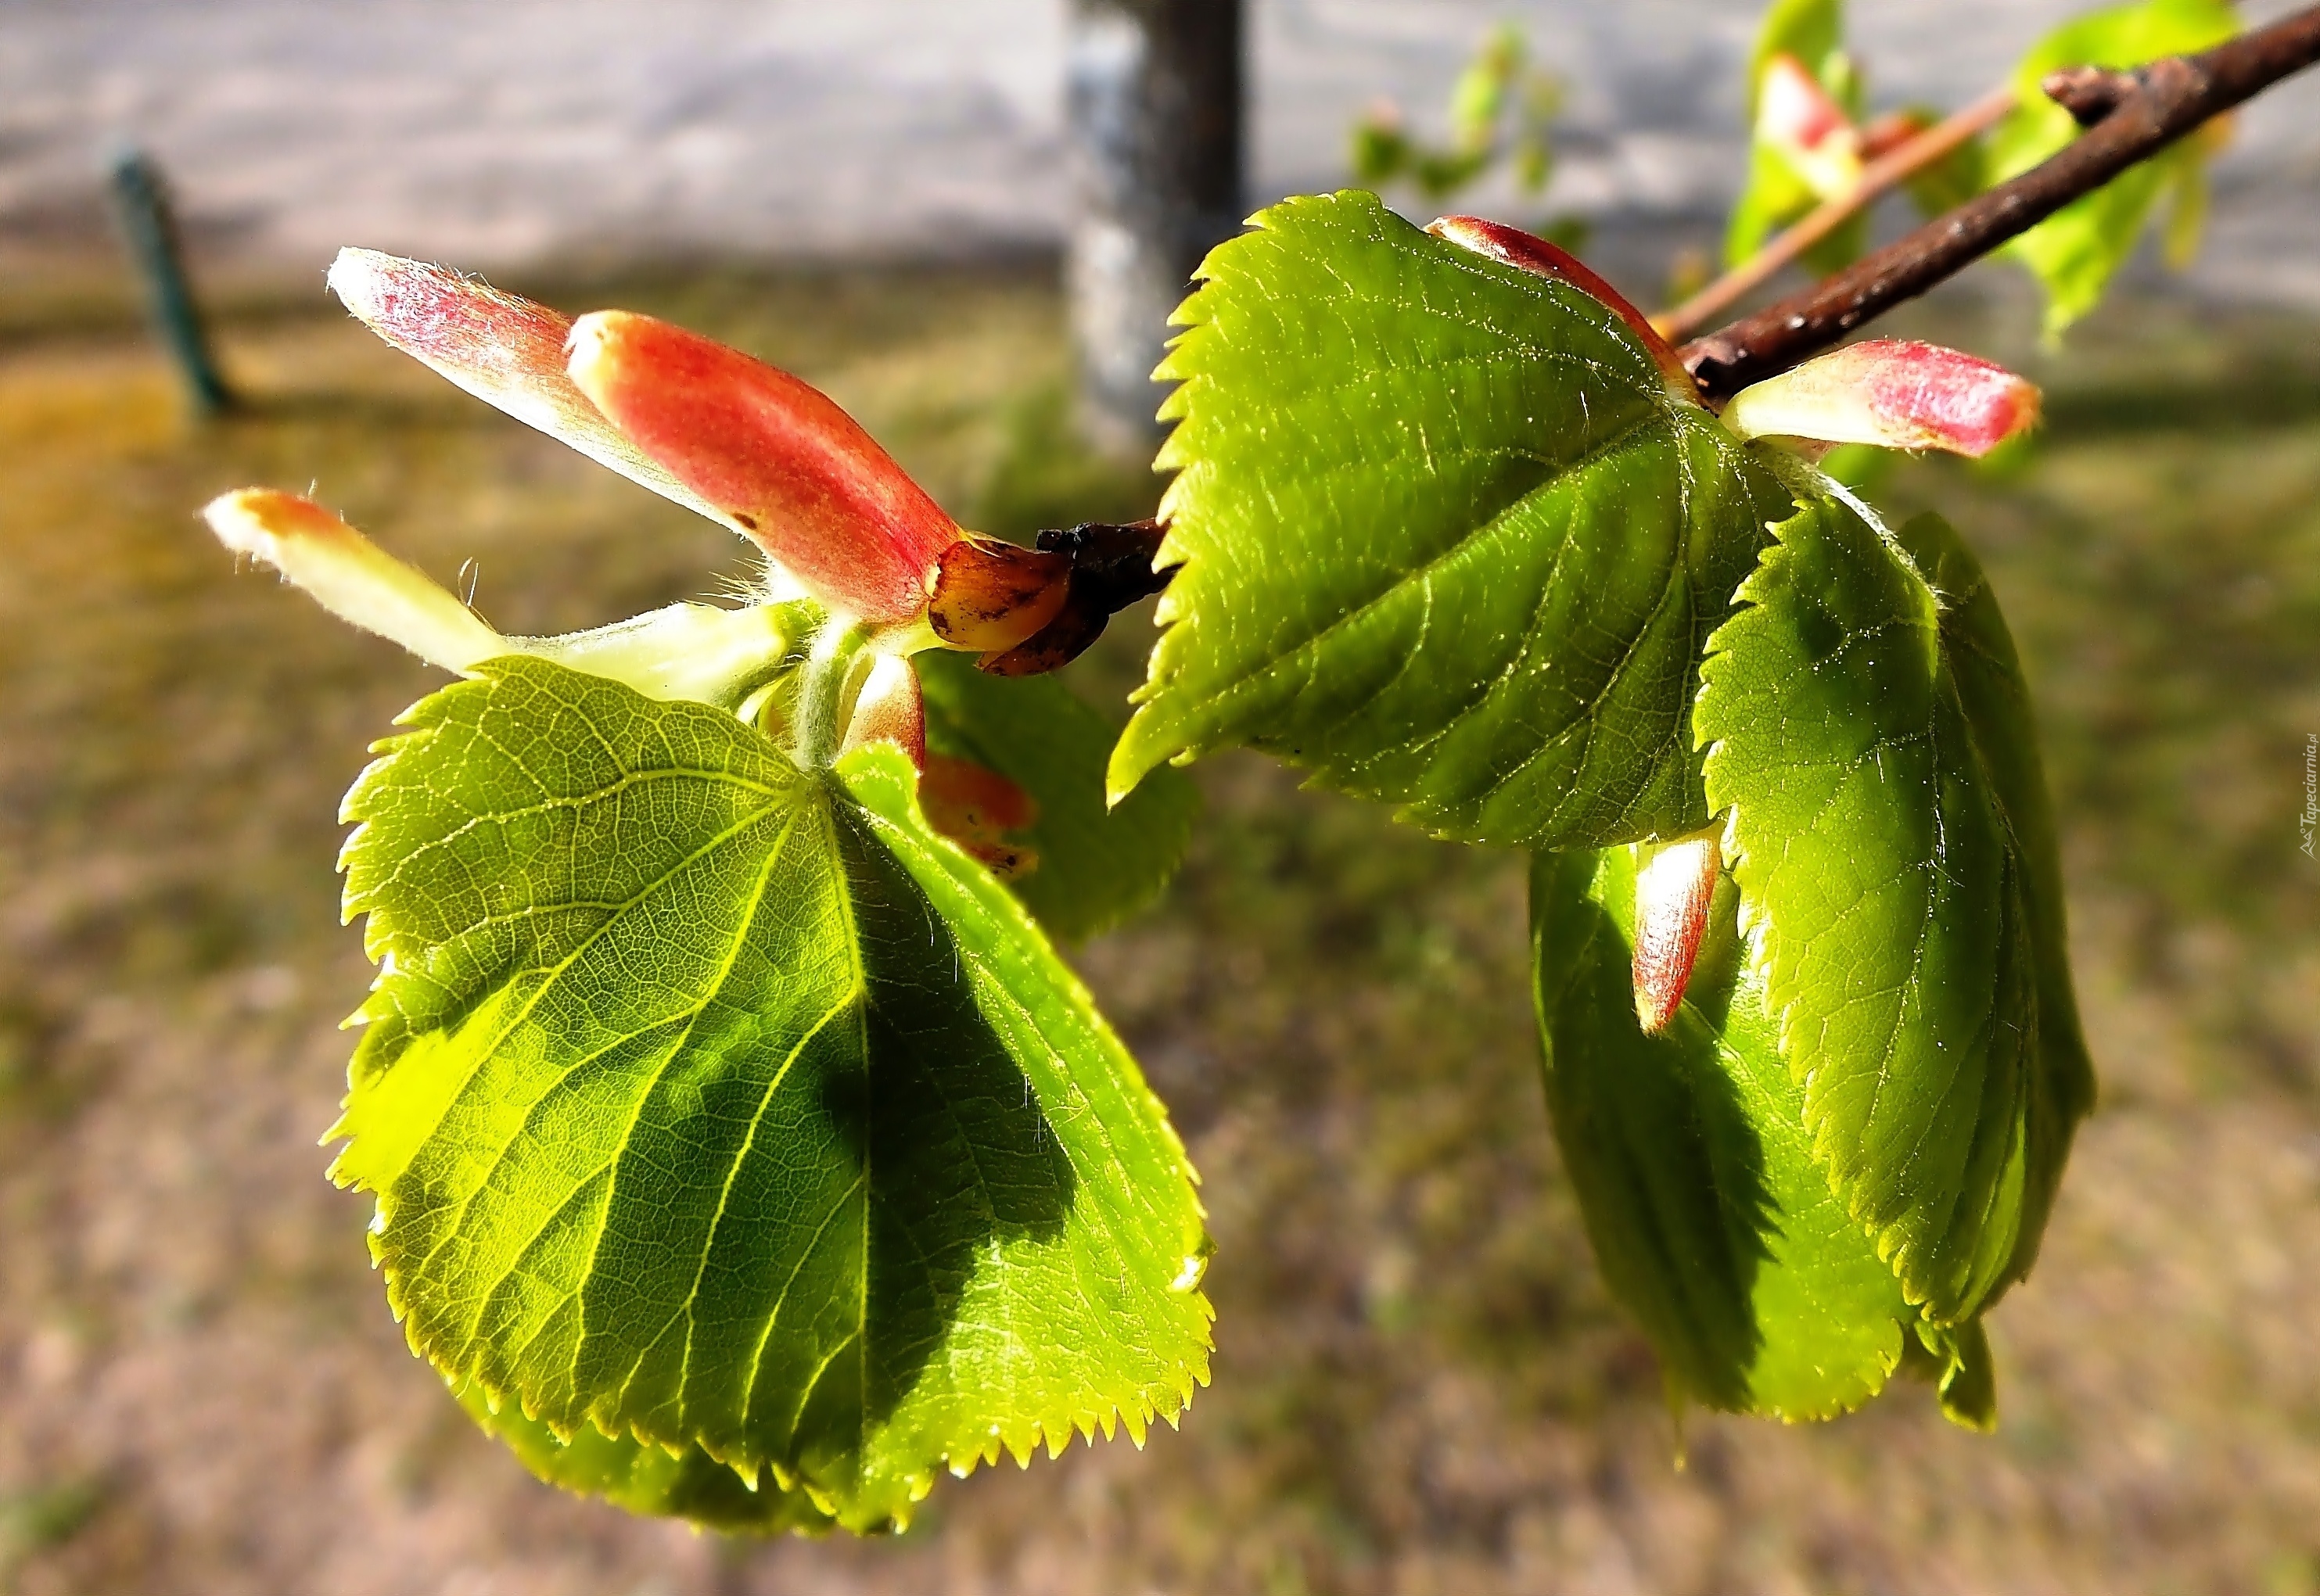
(2135, 115)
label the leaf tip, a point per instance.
(351, 576)
(1526, 252)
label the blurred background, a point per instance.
(1421, 1385)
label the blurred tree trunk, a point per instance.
(1156, 122)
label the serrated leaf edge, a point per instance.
(1021, 1440)
(1196, 314)
(1756, 924)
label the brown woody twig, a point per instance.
(2134, 116)
(2129, 115)
(1897, 165)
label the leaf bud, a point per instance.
(506, 351)
(977, 808)
(1892, 393)
(1793, 111)
(990, 596)
(774, 456)
(889, 709)
(1800, 118)
(1675, 888)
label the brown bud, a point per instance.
(977, 808)
(990, 596)
(1111, 569)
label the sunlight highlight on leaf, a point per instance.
(727, 1106)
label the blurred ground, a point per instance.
(1420, 1385)
(501, 134)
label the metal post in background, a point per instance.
(148, 228)
(1156, 109)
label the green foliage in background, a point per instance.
(1502, 113)
(2076, 252)
(2073, 253)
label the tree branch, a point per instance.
(1897, 166)
(2136, 114)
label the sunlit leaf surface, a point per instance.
(1709, 1218)
(1889, 892)
(1446, 537)
(730, 1107)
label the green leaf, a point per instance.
(723, 1104)
(1709, 1218)
(1776, 194)
(1775, 197)
(2075, 252)
(1812, 30)
(1979, 652)
(645, 1479)
(1381, 151)
(1481, 96)
(1969, 1385)
(1957, 1363)
(1445, 536)
(1887, 892)
(1097, 865)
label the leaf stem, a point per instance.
(1888, 171)
(829, 683)
(2142, 112)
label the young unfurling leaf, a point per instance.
(724, 1105)
(351, 576)
(700, 652)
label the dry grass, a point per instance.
(1420, 1385)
